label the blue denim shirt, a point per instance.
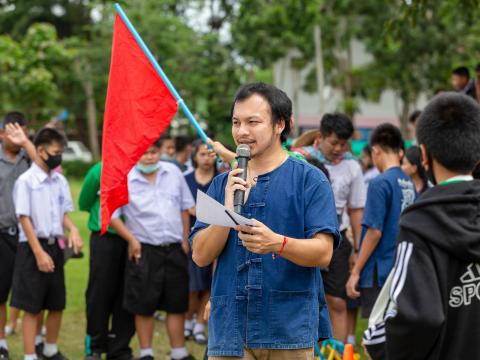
(261, 302)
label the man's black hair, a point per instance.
(280, 104)
(14, 117)
(388, 137)
(461, 71)
(449, 128)
(48, 136)
(181, 143)
(338, 124)
(414, 116)
(477, 68)
(319, 165)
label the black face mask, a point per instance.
(53, 161)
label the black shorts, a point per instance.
(368, 296)
(158, 282)
(336, 276)
(34, 290)
(8, 249)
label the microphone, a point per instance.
(243, 155)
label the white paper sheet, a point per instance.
(212, 212)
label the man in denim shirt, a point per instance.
(267, 293)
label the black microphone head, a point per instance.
(243, 150)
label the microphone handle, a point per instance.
(239, 195)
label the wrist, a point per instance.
(277, 243)
(355, 271)
(37, 250)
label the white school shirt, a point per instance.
(45, 198)
(153, 211)
(348, 187)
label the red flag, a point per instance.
(139, 107)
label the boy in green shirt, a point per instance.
(105, 282)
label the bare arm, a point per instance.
(219, 149)
(44, 261)
(186, 230)
(356, 223)
(17, 135)
(370, 242)
(74, 238)
(134, 247)
(208, 244)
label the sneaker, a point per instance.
(39, 350)
(94, 356)
(200, 338)
(3, 354)
(9, 330)
(188, 333)
(57, 356)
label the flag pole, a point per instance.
(162, 74)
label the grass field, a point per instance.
(72, 336)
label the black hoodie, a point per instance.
(432, 309)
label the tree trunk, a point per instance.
(317, 36)
(91, 107)
(404, 117)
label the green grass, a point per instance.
(72, 335)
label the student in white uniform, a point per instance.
(42, 202)
(330, 147)
(156, 227)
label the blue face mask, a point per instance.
(148, 169)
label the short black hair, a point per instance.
(414, 116)
(336, 123)
(163, 138)
(477, 68)
(461, 71)
(449, 128)
(388, 137)
(15, 117)
(319, 165)
(414, 157)
(47, 136)
(280, 103)
(181, 143)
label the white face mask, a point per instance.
(148, 169)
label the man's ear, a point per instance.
(2, 133)
(376, 150)
(425, 161)
(280, 126)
